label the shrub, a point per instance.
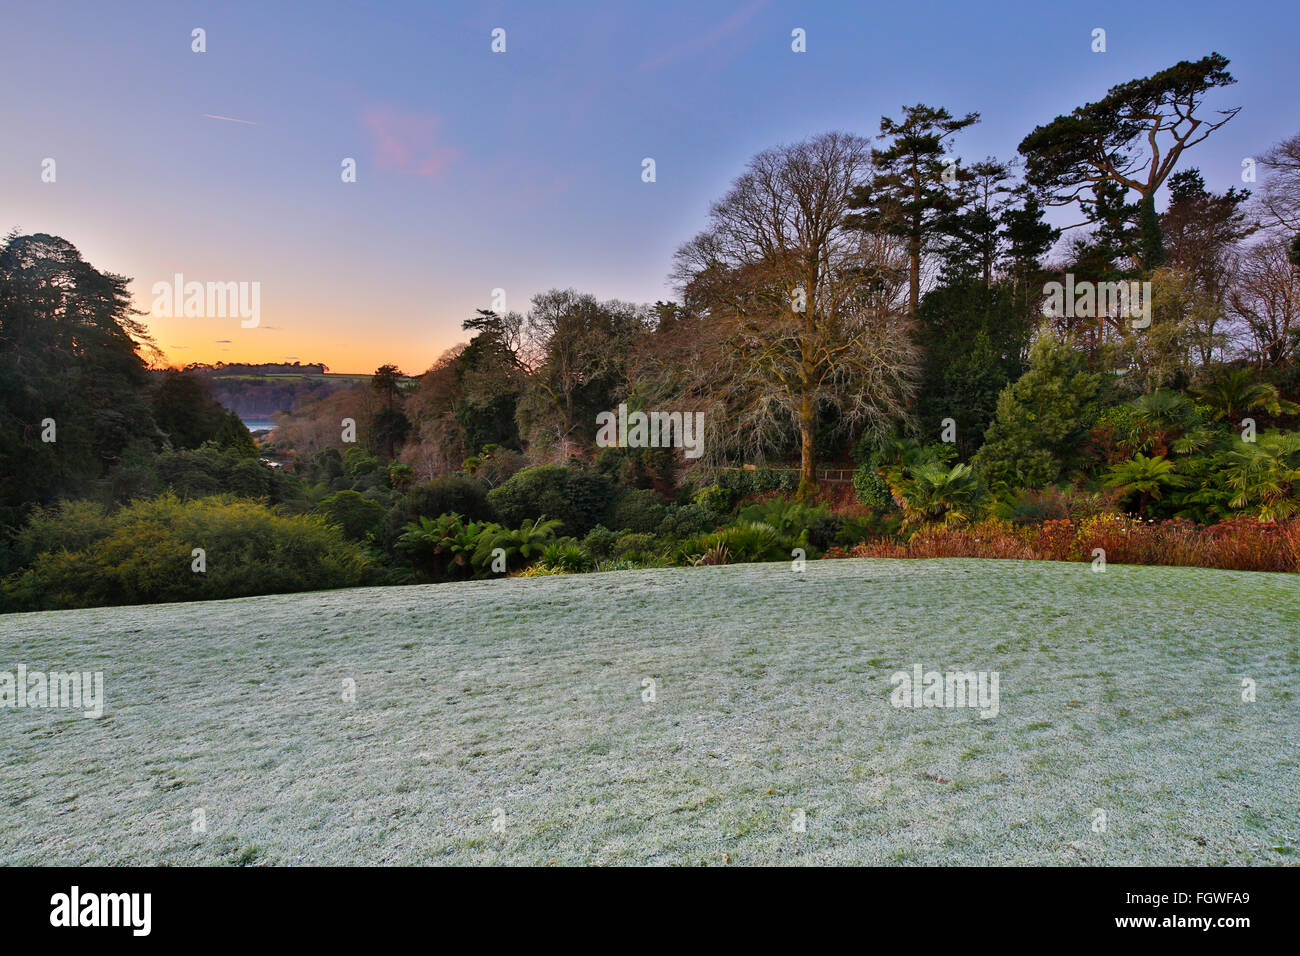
(1041, 418)
(870, 488)
(742, 482)
(1115, 435)
(568, 557)
(937, 492)
(145, 556)
(645, 468)
(635, 546)
(1264, 475)
(447, 495)
(210, 470)
(746, 541)
(494, 466)
(69, 526)
(400, 476)
(716, 498)
(1144, 477)
(522, 545)
(1242, 544)
(443, 547)
(579, 500)
(755, 541)
(1052, 503)
(600, 541)
(681, 521)
(637, 510)
(1056, 540)
(990, 538)
(355, 515)
(809, 525)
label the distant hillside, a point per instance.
(262, 391)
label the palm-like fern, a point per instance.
(1233, 394)
(1143, 476)
(1163, 418)
(932, 492)
(442, 545)
(521, 545)
(1264, 475)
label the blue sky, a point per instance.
(519, 170)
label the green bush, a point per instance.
(522, 545)
(715, 498)
(443, 547)
(853, 530)
(637, 510)
(638, 467)
(742, 482)
(210, 470)
(681, 521)
(934, 492)
(359, 463)
(755, 541)
(357, 516)
(144, 554)
(746, 541)
(447, 495)
(579, 499)
(806, 525)
(1041, 419)
(635, 546)
(600, 541)
(71, 526)
(870, 487)
(566, 556)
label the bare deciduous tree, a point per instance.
(575, 352)
(1266, 296)
(806, 316)
(1280, 196)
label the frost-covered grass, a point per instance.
(1119, 691)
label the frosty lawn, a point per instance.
(1120, 692)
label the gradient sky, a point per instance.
(519, 170)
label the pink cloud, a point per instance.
(407, 142)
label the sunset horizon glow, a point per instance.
(519, 170)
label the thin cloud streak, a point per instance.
(231, 119)
(708, 40)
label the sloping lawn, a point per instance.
(520, 703)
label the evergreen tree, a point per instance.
(1041, 419)
(233, 436)
(974, 339)
(73, 414)
(913, 189)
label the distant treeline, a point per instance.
(223, 369)
(263, 391)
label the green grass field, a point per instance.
(521, 702)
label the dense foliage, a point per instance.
(865, 331)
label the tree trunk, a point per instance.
(807, 472)
(913, 279)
